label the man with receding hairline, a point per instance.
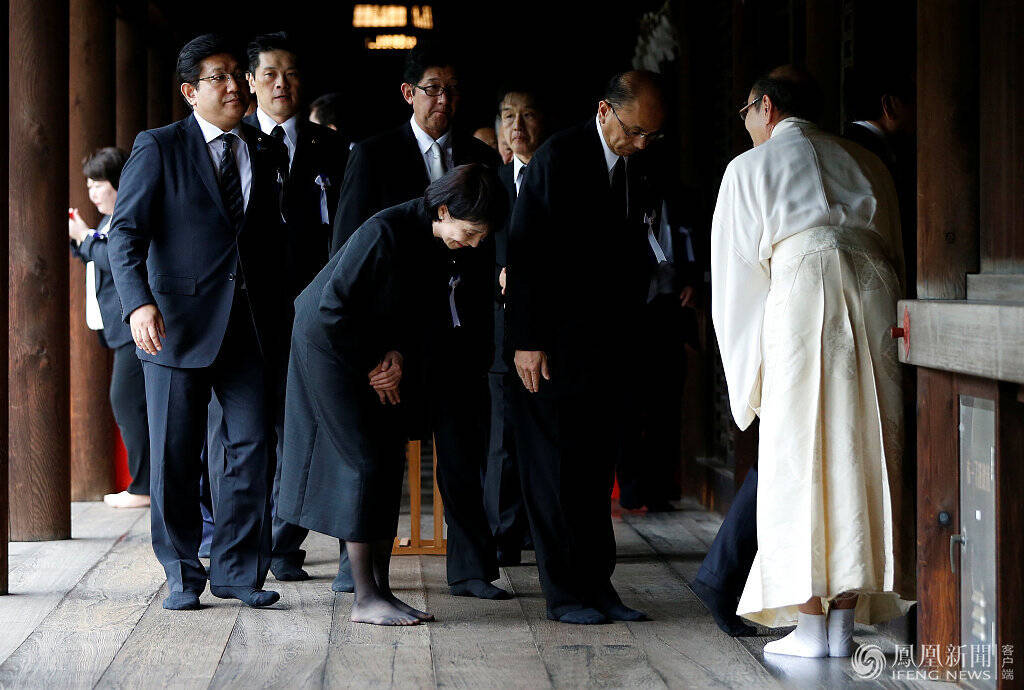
(578, 275)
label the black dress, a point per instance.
(343, 454)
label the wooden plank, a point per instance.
(995, 287)
(43, 575)
(479, 644)
(73, 645)
(362, 655)
(681, 642)
(975, 338)
(947, 147)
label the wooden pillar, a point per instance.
(132, 75)
(947, 249)
(39, 390)
(158, 109)
(91, 125)
(823, 58)
(4, 296)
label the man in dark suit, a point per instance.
(578, 279)
(392, 168)
(188, 249)
(311, 165)
(521, 118)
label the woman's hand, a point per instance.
(385, 377)
(77, 229)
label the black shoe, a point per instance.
(723, 609)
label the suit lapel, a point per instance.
(199, 154)
(415, 155)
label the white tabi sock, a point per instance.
(840, 632)
(809, 639)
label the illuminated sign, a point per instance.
(391, 16)
(391, 42)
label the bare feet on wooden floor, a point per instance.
(422, 615)
(378, 611)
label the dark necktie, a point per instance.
(278, 134)
(231, 182)
(619, 188)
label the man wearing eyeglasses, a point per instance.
(188, 252)
(578, 277)
(392, 168)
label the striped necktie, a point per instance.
(231, 182)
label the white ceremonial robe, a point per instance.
(807, 267)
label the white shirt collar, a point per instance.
(610, 157)
(212, 131)
(871, 127)
(789, 123)
(267, 124)
(424, 140)
(517, 165)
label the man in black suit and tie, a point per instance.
(521, 118)
(311, 165)
(188, 251)
(578, 279)
(392, 168)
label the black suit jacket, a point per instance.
(115, 331)
(172, 243)
(319, 152)
(499, 365)
(578, 275)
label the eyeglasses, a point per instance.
(435, 90)
(636, 131)
(743, 110)
(219, 80)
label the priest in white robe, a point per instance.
(807, 267)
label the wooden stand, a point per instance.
(413, 545)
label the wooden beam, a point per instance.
(1002, 137)
(91, 126)
(947, 147)
(4, 297)
(984, 339)
(996, 287)
(39, 386)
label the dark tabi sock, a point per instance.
(580, 617)
(247, 595)
(723, 609)
(478, 589)
(621, 612)
(182, 601)
(286, 572)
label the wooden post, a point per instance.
(415, 544)
(132, 75)
(823, 61)
(39, 389)
(4, 296)
(91, 125)
(160, 61)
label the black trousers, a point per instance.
(503, 495)
(650, 458)
(128, 401)
(727, 564)
(567, 451)
(459, 416)
(178, 401)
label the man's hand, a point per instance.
(686, 297)
(385, 377)
(531, 365)
(147, 326)
(77, 229)
(503, 278)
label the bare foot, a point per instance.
(126, 500)
(402, 606)
(378, 611)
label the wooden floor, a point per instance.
(86, 613)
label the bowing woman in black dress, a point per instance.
(346, 425)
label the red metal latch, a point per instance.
(903, 332)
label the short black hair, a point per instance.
(193, 53)
(792, 90)
(529, 90)
(326, 109)
(623, 87)
(472, 192)
(424, 55)
(264, 43)
(105, 164)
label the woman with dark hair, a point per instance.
(102, 171)
(346, 409)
